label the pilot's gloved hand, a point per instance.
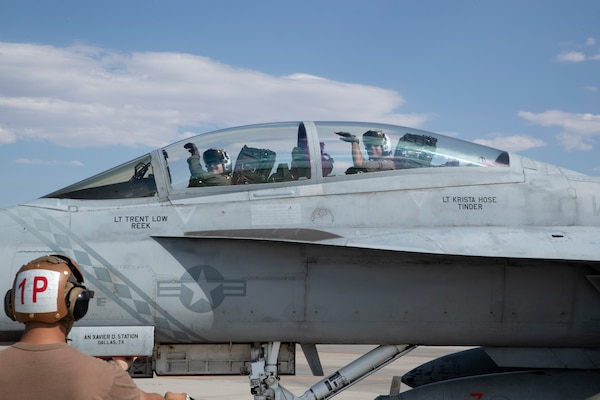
(191, 147)
(347, 137)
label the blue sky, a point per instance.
(85, 86)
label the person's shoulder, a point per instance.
(7, 351)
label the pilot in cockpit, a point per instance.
(379, 149)
(218, 165)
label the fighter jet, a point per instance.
(228, 249)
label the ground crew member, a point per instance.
(48, 296)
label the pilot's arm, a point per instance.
(193, 161)
(357, 157)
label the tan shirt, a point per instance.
(58, 371)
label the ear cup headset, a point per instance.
(57, 275)
(77, 300)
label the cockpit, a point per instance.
(289, 153)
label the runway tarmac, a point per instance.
(333, 357)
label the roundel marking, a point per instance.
(211, 293)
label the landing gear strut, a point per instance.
(264, 380)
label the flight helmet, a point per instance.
(377, 138)
(217, 156)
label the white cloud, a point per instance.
(513, 143)
(6, 136)
(48, 163)
(592, 89)
(571, 56)
(85, 96)
(579, 130)
(576, 56)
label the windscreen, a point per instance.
(131, 180)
